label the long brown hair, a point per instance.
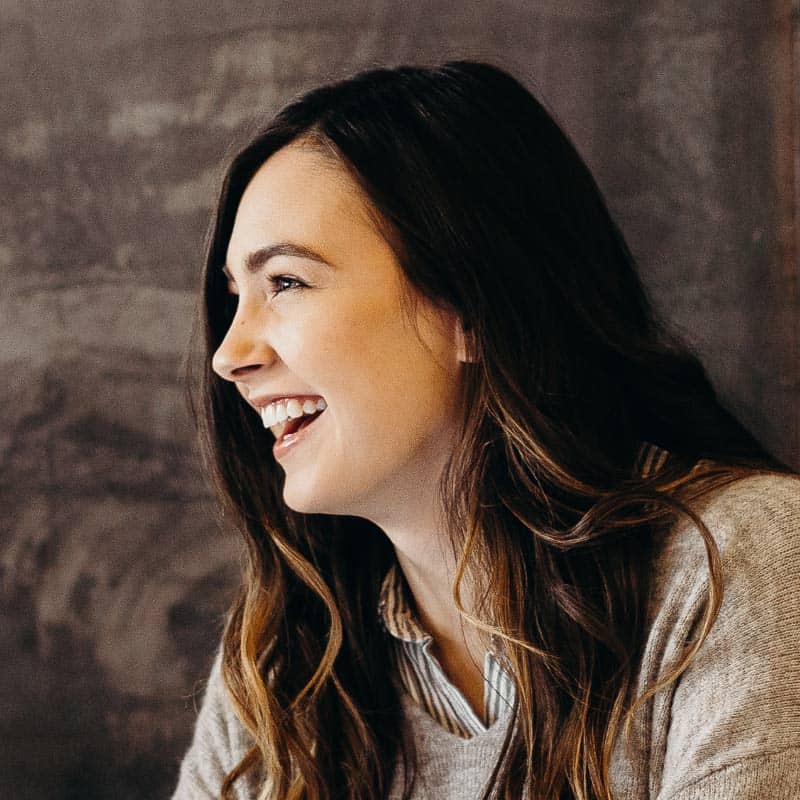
(491, 212)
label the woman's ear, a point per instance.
(465, 341)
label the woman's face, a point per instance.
(340, 333)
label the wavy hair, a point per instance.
(491, 212)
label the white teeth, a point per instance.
(294, 408)
(276, 415)
(279, 428)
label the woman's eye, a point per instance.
(276, 281)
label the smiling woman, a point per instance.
(508, 542)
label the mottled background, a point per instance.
(117, 120)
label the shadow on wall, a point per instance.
(74, 729)
(114, 578)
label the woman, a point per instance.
(508, 542)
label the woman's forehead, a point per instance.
(303, 197)
(298, 194)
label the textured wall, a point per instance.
(117, 120)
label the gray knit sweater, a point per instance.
(729, 729)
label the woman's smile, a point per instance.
(288, 441)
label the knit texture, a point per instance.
(728, 729)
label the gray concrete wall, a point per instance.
(117, 118)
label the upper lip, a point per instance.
(262, 401)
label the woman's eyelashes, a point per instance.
(276, 281)
(277, 284)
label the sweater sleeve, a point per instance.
(218, 743)
(734, 726)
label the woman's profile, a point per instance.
(502, 538)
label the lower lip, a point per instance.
(288, 442)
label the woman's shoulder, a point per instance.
(755, 524)
(752, 520)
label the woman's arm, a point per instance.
(734, 719)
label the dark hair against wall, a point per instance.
(491, 212)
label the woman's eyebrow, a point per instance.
(256, 260)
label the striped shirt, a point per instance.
(418, 669)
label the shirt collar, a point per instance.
(396, 614)
(650, 460)
(395, 611)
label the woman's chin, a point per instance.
(301, 497)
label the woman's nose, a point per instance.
(240, 352)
